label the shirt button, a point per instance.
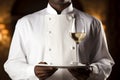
(49, 18)
(50, 49)
(73, 48)
(50, 32)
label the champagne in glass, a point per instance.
(78, 36)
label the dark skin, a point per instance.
(59, 5)
(80, 73)
(45, 72)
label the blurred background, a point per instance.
(108, 11)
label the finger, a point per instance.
(48, 71)
(39, 68)
(44, 75)
(45, 70)
(43, 63)
(74, 72)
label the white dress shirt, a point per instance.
(45, 36)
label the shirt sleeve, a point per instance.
(101, 59)
(17, 65)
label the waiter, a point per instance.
(44, 38)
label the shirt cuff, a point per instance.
(31, 73)
(95, 69)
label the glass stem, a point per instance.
(77, 53)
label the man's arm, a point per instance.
(101, 59)
(17, 64)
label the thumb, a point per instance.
(42, 63)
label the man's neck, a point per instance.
(59, 7)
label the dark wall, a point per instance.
(24, 7)
(113, 27)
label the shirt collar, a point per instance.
(67, 10)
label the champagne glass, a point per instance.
(78, 36)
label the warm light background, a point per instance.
(101, 9)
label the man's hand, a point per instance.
(44, 72)
(80, 73)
